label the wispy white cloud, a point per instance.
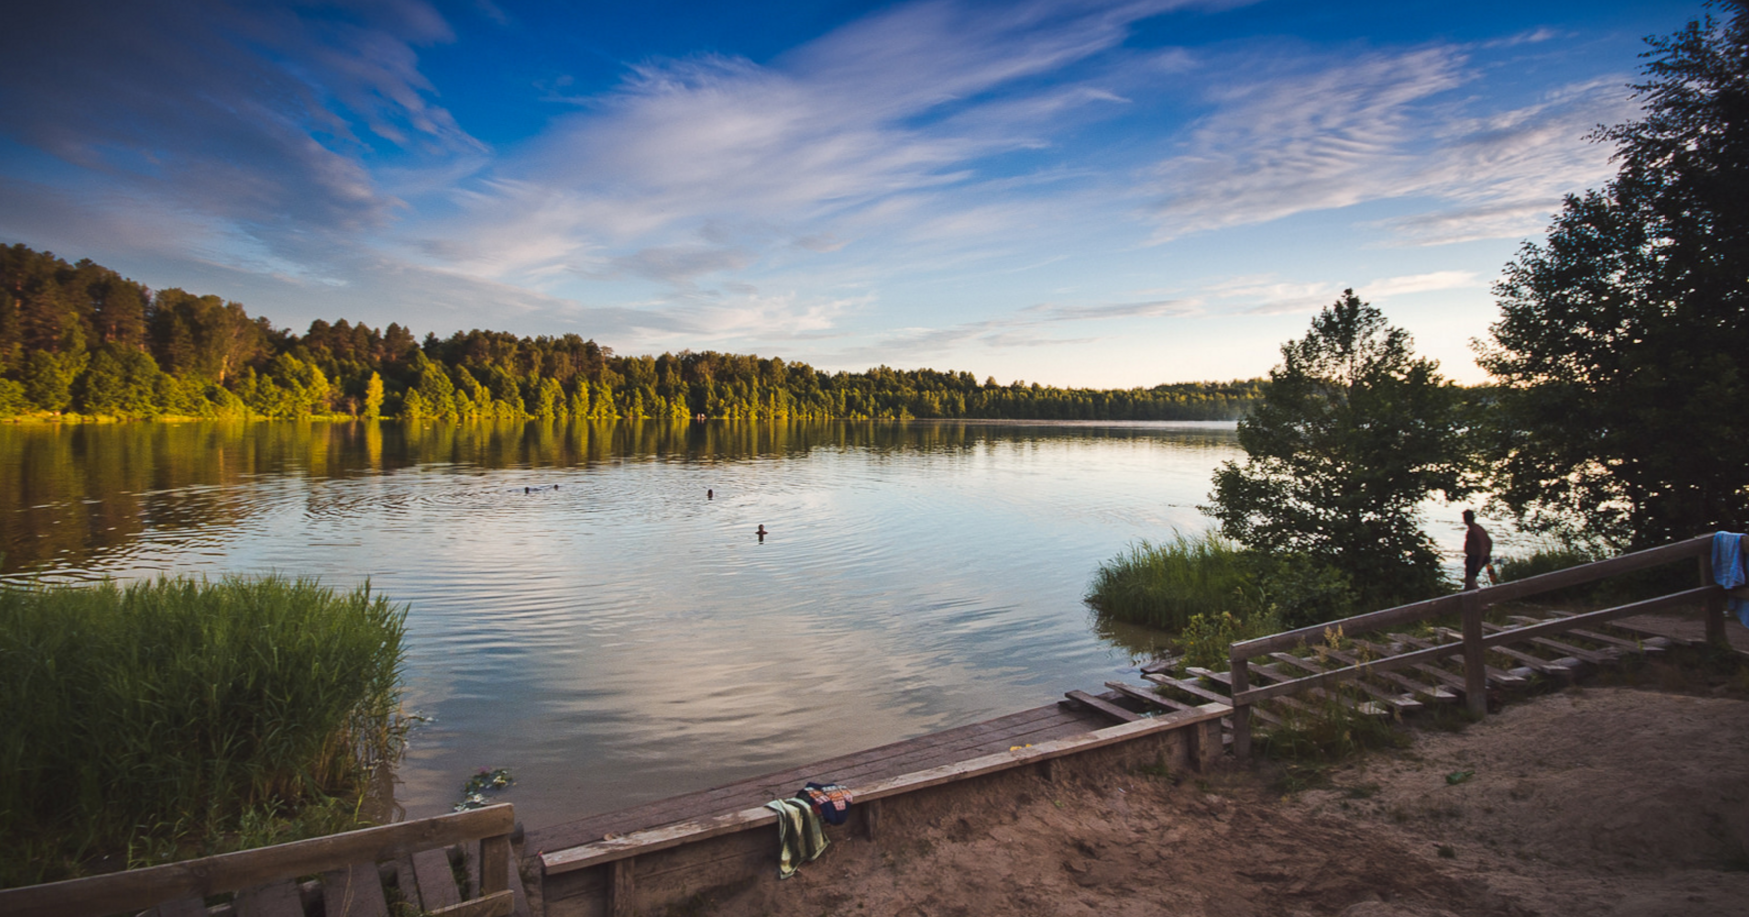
(1422, 283)
(254, 114)
(1271, 295)
(1310, 135)
(894, 106)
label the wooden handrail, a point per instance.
(137, 889)
(1451, 604)
(1471, 604)
(1510, 635)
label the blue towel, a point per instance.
(1728, 570)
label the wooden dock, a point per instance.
(649, 857)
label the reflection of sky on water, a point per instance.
(621, 638)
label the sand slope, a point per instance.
(1597, 801)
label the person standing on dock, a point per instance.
(1478, 549)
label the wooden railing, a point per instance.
(1471, 605)
(265, 879)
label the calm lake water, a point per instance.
(581, 614)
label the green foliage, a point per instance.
(1328, 730)
(1620, 342)
(1207, 637)
(1301, 590)
(1351, 434)
(48, 378)
(12, 400)
(373, 397)
(1165, 585)
(149, 719)
(121, 382)
(1210, 592)
(49, 310)
(1543, 560)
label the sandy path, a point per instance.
(1597, 801)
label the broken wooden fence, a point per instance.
(265, 879)
(1477, 637)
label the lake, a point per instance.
(582, 614)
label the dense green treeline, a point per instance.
(79, 338)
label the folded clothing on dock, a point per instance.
(829, 799)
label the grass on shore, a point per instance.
(179, 717)
(1165, 585)
(1209, 592)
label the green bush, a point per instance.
(1542, 560)
(1327, 730)
(145, 720)
(1619, 589)
(1302, 591)
(1165, 585)
(1205, 639)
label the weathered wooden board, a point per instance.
(1103, 706)
(1404, 702)
(1148, 696)
(1512, 635)
(436, 881)
(1034, 725)
(1189, 687)
(1698, 546)
(497, 904)
(666, 836)
(356, 891)
(1436, 693)
(1498, 677)
(137, 889)
(1643, 647)
(1536, 663)
(274, 899)
(181, 907)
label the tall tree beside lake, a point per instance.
(1622, 337)
(1353, 431)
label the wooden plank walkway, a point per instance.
(950, 746)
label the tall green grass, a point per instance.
(1165, 585)
(141, 721)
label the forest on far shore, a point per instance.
(80, 339)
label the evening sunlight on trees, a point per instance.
(78, 339)
(1352, 433)
(1621, 344)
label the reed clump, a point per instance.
(175, 717)
(1165, 585)
(1205, 589)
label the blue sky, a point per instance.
(1075, 193)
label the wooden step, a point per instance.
(1404, 702)
(1103, 706)
(1148, 696)
(1435, 693)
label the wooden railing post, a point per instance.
(1240, 672)
(1475, 655)
(1713, 609)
